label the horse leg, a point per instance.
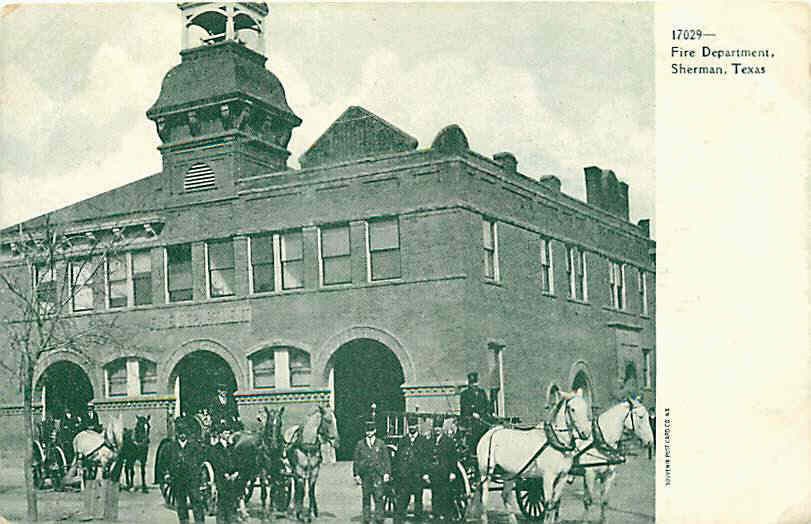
(506, 491)
(143, 476)
(549, 498)
(313, 499)
(608, 480)
(484, 489)
(589, 484)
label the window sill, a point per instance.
(576, 301)
(645, 316)
(620, 311)
(492, 282)
(384, 281)
(548, 294)
(224, 298)
(337, 285)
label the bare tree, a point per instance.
(51, 272)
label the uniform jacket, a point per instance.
(371, 462)
(90, 421)
(474, 400)
(223, 461)
(184, 462)
(228, 413)
(444, 455)
(412, 459)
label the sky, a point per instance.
(560, 85)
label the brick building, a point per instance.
(377, 272)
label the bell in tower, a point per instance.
(221, 115)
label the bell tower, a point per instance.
(221, 115)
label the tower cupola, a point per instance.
(221, 115)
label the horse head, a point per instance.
(140, 435)
(638, 421)
(328, 428)
(272, 431)
(573, 412)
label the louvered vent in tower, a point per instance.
(199, 177)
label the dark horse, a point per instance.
(304, 452)
(259, 455)
(136, 449)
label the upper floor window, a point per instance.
(384, 249)
(129, 279)
(336, 258)
(616, 280)
(263, 263)
(648, 371)
(46, 288)
(220, 260)
(490, 244)
(179, 273)
(292, 258)
(280, 367)
(547, 276)
(643, 292)
(81, 277)
(576, 272)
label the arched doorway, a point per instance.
(581, 381)
(67, 387)
(363, 372)
(195, 378)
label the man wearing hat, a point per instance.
(226, 475)
(91, 419)
(371, 468)
(184, 457)
(474, 409)
(411, 470)
(224, 410)
(444, 458)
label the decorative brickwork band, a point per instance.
(319, 396)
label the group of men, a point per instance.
(62, 428)
(420, 461)
(185, 455)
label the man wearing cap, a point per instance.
(371, 467)
(444, 458)
(226, 475)
(474, 409)
(91, 419)
(224, 410)
(184, 457)
(411, 470)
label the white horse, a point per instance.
(544, 452)
(629, 415)
(97, 450)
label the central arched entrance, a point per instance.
(195, 380)
(363, 372)
(67, 387)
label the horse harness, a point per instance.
(612, 453)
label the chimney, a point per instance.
(507, 161)
(604, 191)
(644, 226)
(551, 181)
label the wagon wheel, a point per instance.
(529, 493)
(208, 488)
(58, 467)
(37, 465)
(460, 492)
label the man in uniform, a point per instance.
(224, 412)
(444, 457)
(91, 419)
(184, 457)
(411, 470)
(226, 475)
(474, 409)
(371, 467)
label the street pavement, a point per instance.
(631, 500)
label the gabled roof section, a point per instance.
(144, 195)
(357, 133)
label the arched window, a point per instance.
(263, 368)
(148, 375)
(115, 378)
(299, 368)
